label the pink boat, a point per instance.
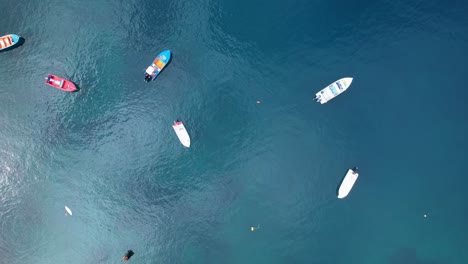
(60, 83)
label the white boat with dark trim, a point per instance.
(348, 182)
(181, 133)
(333, 90)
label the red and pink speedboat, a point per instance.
(60, 83)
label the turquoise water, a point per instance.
(110, 154)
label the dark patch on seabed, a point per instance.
(410, 256)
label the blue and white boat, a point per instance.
(8, 41)
(158, 65)
(333, 90)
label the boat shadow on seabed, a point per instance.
(20, 43)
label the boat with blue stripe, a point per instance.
(333, 90)
(158, 65)
(8, 41)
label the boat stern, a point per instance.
(150, 70)
(319, 98)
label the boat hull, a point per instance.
(348, 183)
(68, 210)
(8, 41)
(60, 83)
(181, 133)
(333, 90)
(158, 65)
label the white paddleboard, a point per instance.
(68, 210)
(348, 183)
(181, 133)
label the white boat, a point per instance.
(333, 90)
(69, 212)
(181, 133)
(348, 182)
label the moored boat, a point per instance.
(60, 83)
(8, 41)
(181, 133)
(333, 90)
(157, 66)
(348, 182)
(68, 211)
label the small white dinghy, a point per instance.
(348, 182)
(69, 212)
(333, 90)
(181, 133)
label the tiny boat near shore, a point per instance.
(157, 66)
(60, 83)
(8, 41)
(181, 133)
(348, 182)
(333, 90)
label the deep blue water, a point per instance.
(110, 154)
